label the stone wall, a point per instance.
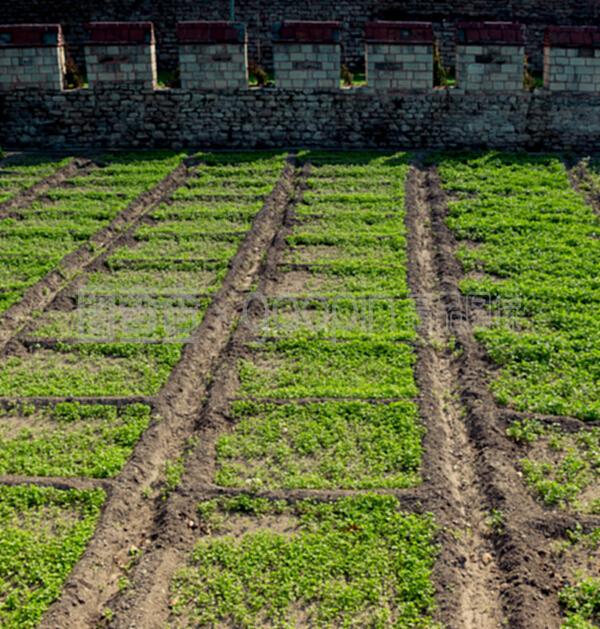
(261, 118)
(31, 56)
(259, 16)
(572, 59)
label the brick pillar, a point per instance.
(490, 56)
(213, 55)
(121, 52)
(572, 58)
(31, 55)
(399, 55)
(306, 55)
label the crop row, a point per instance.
(530, 248)
(35, 239)
(338, 328)
(23, 171)
(43, 532)
(122, 337)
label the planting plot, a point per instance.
(43, 532)
(340, 318)
(337, 330)
(562, 468)
(124, 318)
(358, 562)
(335, 444)
(578, 558)
(142, 283)
(296, 369)
(23, 171)
(537, 257)
(70, 439)
(89, 370)
(33, 244)
(336, 281)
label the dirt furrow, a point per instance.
(129, 517)
(525, 587)
(467, 576)
(40, 295)
(582, 182)
(22, 199)
(58, 482)
(565, 422)
(108, 400)
(146, 603)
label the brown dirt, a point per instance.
(467, 577)
(583, 183)
(146, 603)
(129, 519)
(58, 483)
(41, 402)
(40, 296)
(528, 591)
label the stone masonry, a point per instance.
(399, 55)
(127, 117)
(572, 59)
(490, 56)
(213, 55)
(31, 55)
(121, 52)
(306, 55)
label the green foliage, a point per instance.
(36, 241)
(43, 532)
(533, 247)
(89, 370)
(582, 604)
(355, 563)
(364, 369)
(562, 465)
(342, 318)
(72, 439)
(526, 431)
(200, 228)
(347, 445)
(173, 473)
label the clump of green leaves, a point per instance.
(329, 445)
(562, 466)
(531, 243)
(356, 562)
(72, 439)
(582, 604)
(43, 532)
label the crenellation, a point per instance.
(119, 52)
(399, 55)
(572, 59)
(32, 56)
(213, 55)
(306, 55)
(490, 56)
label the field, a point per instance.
(319, 389)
